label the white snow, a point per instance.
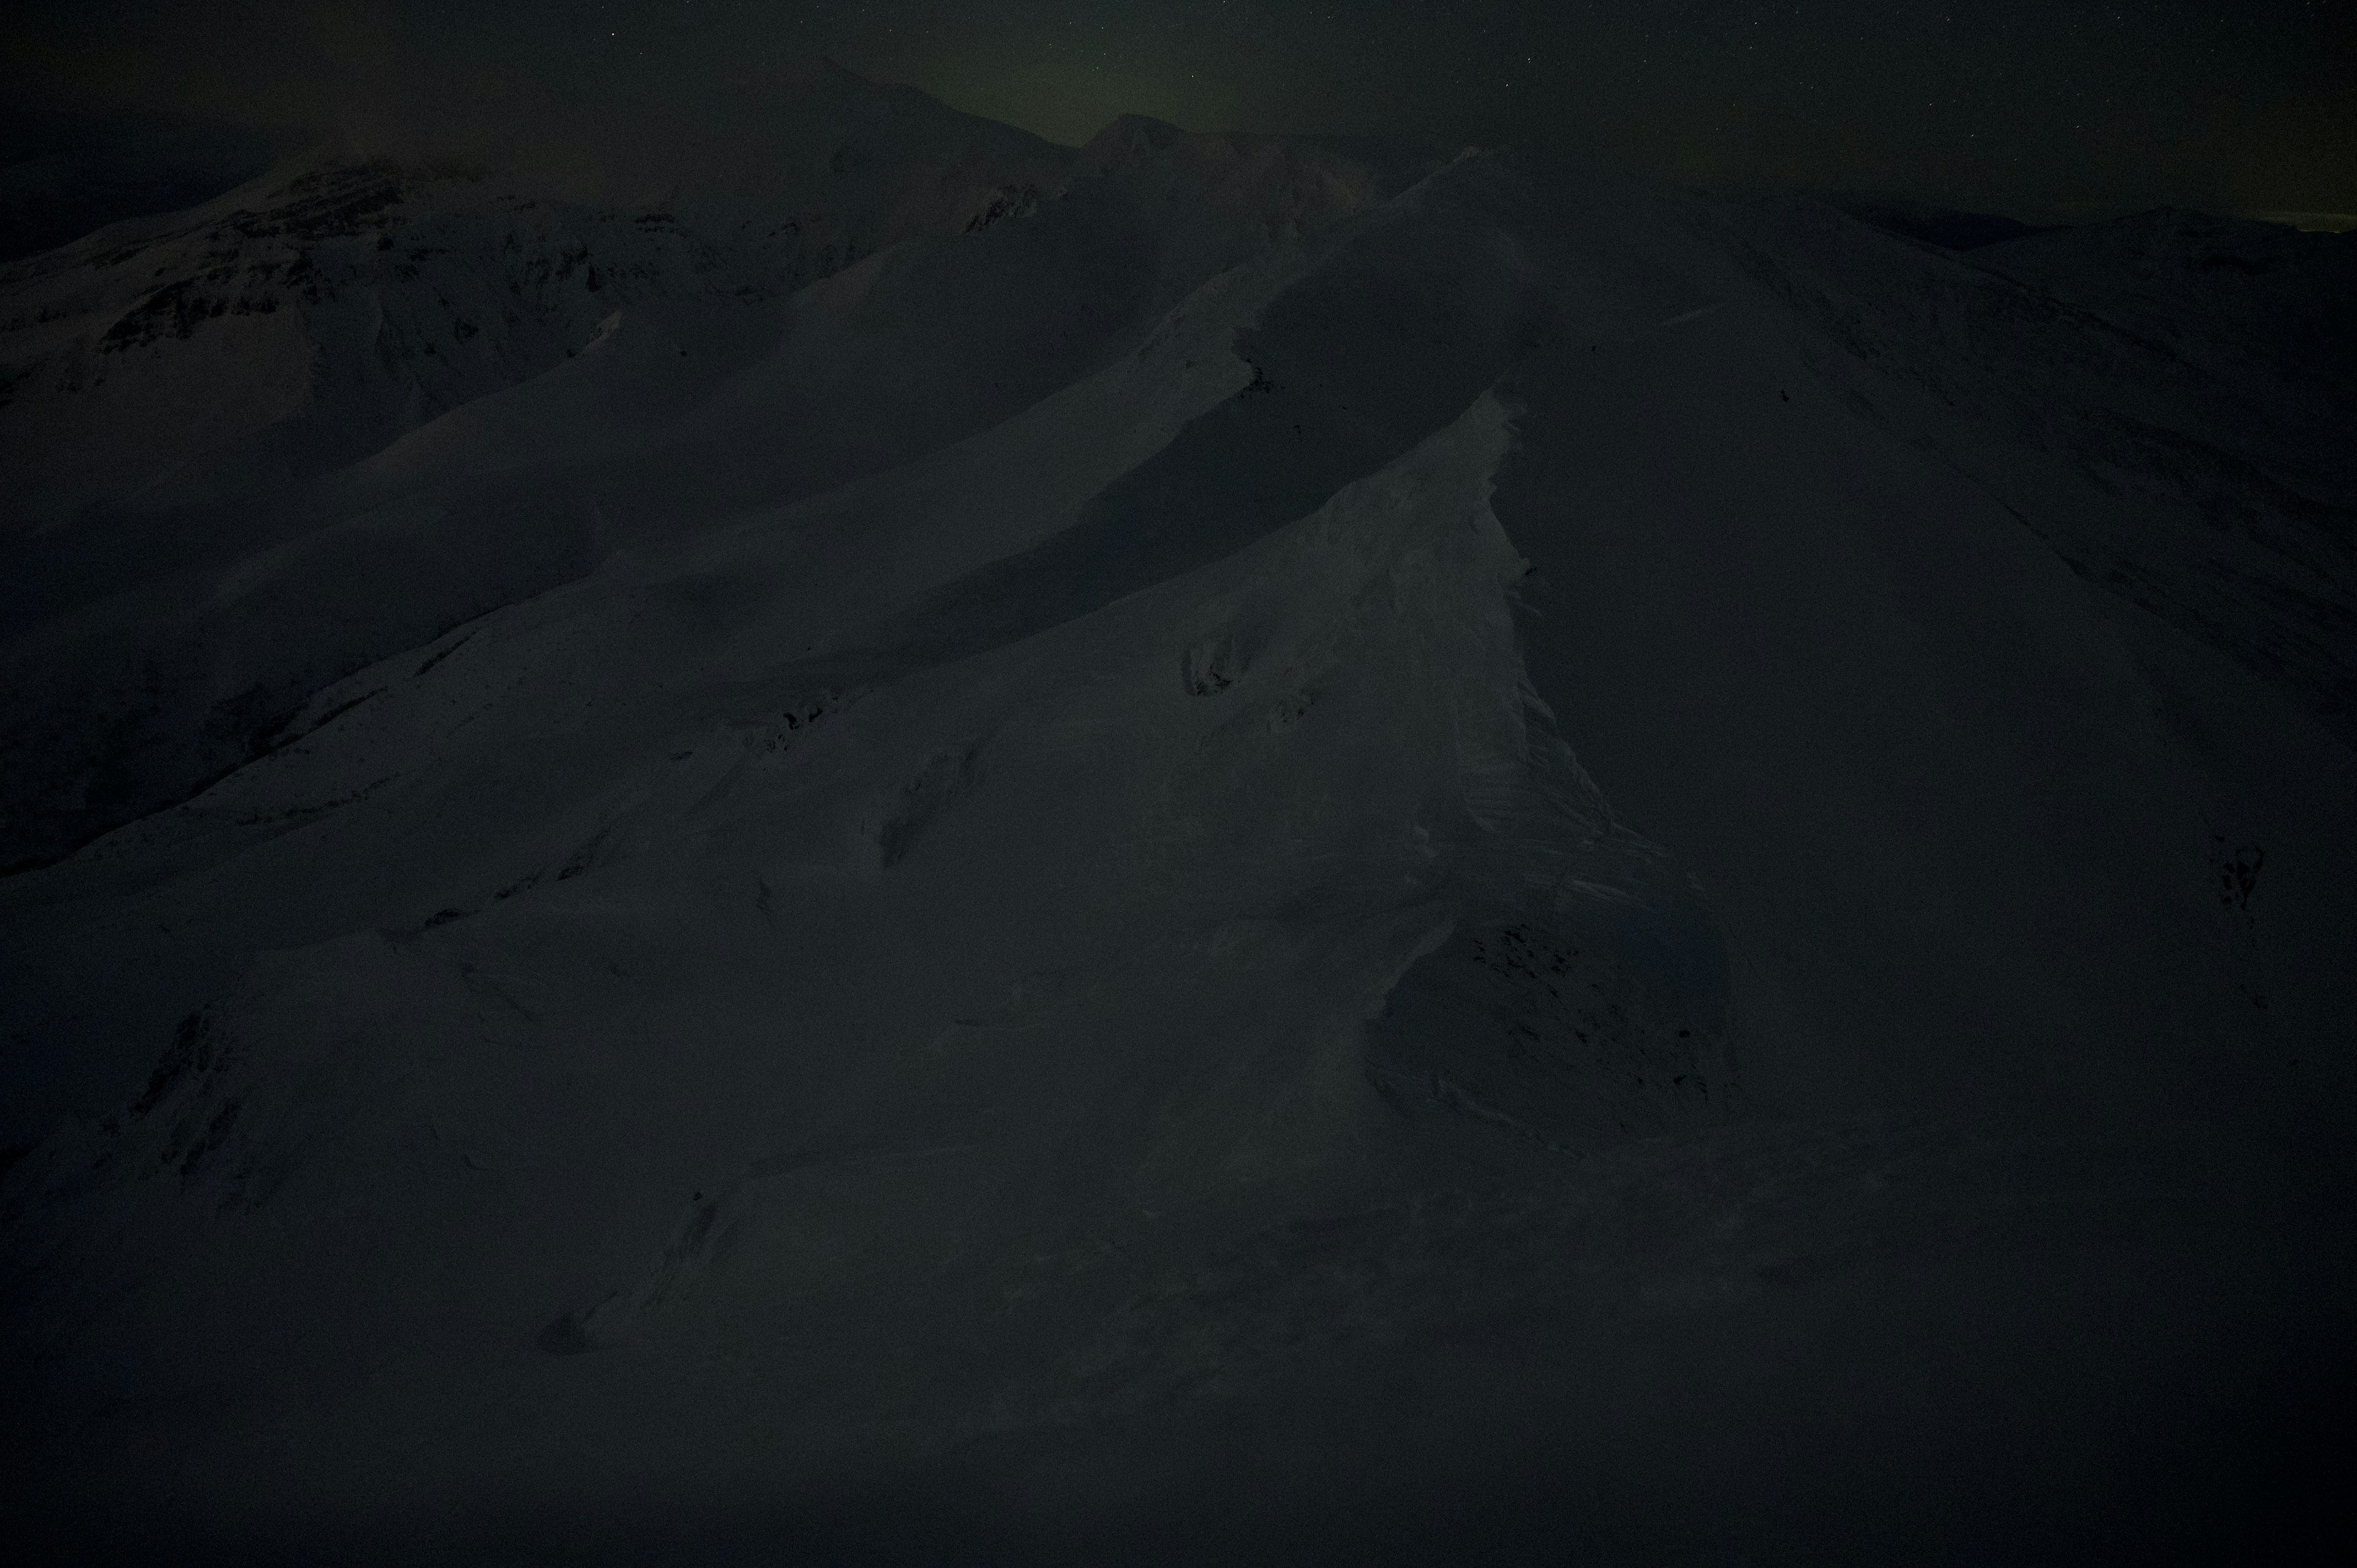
(1393, 843)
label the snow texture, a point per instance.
(1212, 849)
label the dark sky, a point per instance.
(2043, 107)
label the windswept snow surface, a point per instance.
(1277, 853)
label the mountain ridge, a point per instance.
(1242, 864)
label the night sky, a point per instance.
(2045, 108)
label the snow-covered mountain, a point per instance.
(303, 320)
(294, 405)
(1207, 849)
(1945, 227)
(2218, 288)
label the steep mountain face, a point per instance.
(1282, 852)
(303, 320)
(322, 314)
(307, 420)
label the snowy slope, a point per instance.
(1289, 856)
(404, 293)
(634, 378)
(2209, 287)
(1944, 226)
(2202, 473)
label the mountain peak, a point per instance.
(1131, 137)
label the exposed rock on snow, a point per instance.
(1187, 845)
